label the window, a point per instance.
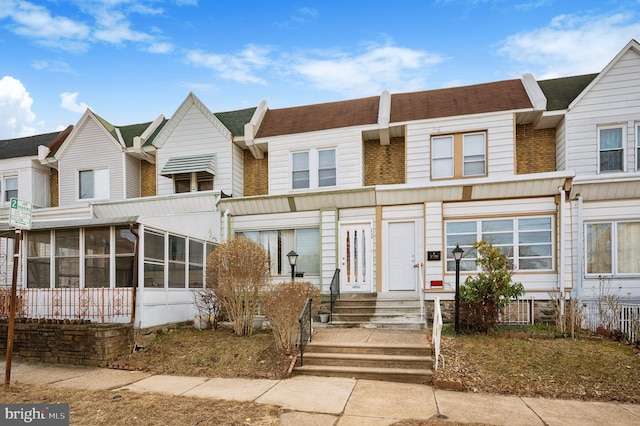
(611, 144)
(638, 148)
(39, 259)
(177, 262)
(94, 184)
(97, 248)
(154, 260)
(67, 258)
(458, 155)
(607, 253)
(125, 251)
(192, 182)
(527, 242)
(10, 188)
(196, 264)
(313, 169)
(305, 242)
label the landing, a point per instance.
(369, 335)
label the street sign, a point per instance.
(20, 214)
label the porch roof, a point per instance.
(9, 232)
(520, 186)
(610, 186)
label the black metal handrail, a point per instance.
(305, 327)
(334, 289)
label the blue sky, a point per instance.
(130, 61)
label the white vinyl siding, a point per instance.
(237, 184)
(613, 100)
(132, 177)
(348, 157)
(91, 149)
(499, 155)
(196, 135)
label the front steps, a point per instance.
(385, 310)
(395, 362)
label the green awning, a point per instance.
(190, 164)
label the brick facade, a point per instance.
(256, 175)
(147, 179)
(53, 188)
(535, 149)
(384, 164)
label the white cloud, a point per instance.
(70, 102)
(571, 44)
(240, 67)
(53, 66)
(378, 68)
(16, 117)
(161, 48)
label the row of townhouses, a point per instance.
(380, 188)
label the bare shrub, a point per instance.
(283, 304)
(208, 306)
(237, 272)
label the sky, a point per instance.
(131, 61)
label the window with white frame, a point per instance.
(196, 264)
(527, 242)
(177, 261)
(125, 242)
(97, 261)
(154, 259)
(39, 259)
(638, 148)
(314, 168)
(192, 182)
(93, 184)
(612, 248)
(10, 188)
(611, 149)
(67, 258)
(304, 241)
(459, 155)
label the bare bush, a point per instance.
(209, 308)
(237, 271)
(283, 304)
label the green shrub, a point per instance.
(238, 271)
(484, 296)
(283, 304)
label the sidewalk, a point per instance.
(337, 401)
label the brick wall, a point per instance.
(384, 164)
(256, 175)
(535, 149)
(147, 179)
(53, 188)
(77, 344)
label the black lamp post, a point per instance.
(457, 255)
(293, 256)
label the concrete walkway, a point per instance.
(337, 401)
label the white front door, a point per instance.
(401, 257)
(356, 248)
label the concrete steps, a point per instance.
(396, 362)
(394, 311)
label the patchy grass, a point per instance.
(540, 365)
(210, 353)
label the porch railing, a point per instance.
(437, 330)
(305, 327)
(621, 317)
(334, 289)
(93, 304)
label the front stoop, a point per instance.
(399, 311)
(394, 362)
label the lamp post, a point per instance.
(293, 256)
(457, 255)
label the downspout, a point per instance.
(134, 279)
(225, 222)
(580, 254)
(561, 263)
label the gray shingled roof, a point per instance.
(560, 92)
(25, 147)
(235, 120)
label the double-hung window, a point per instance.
(10, 188)
(93, 184)
(611, 148)
(612, 248)
(459, 155)
(313, 169)
(527, 242)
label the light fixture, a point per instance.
(293, 257)
(457, 255)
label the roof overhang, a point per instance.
(7, 231)
(610, 186)
(189, 202)
(519, 186)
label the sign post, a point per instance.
(20, 218)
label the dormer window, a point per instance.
(93, 184)
(191, 174)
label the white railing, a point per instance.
(421, 289)
(623, 317)
(437, 330)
